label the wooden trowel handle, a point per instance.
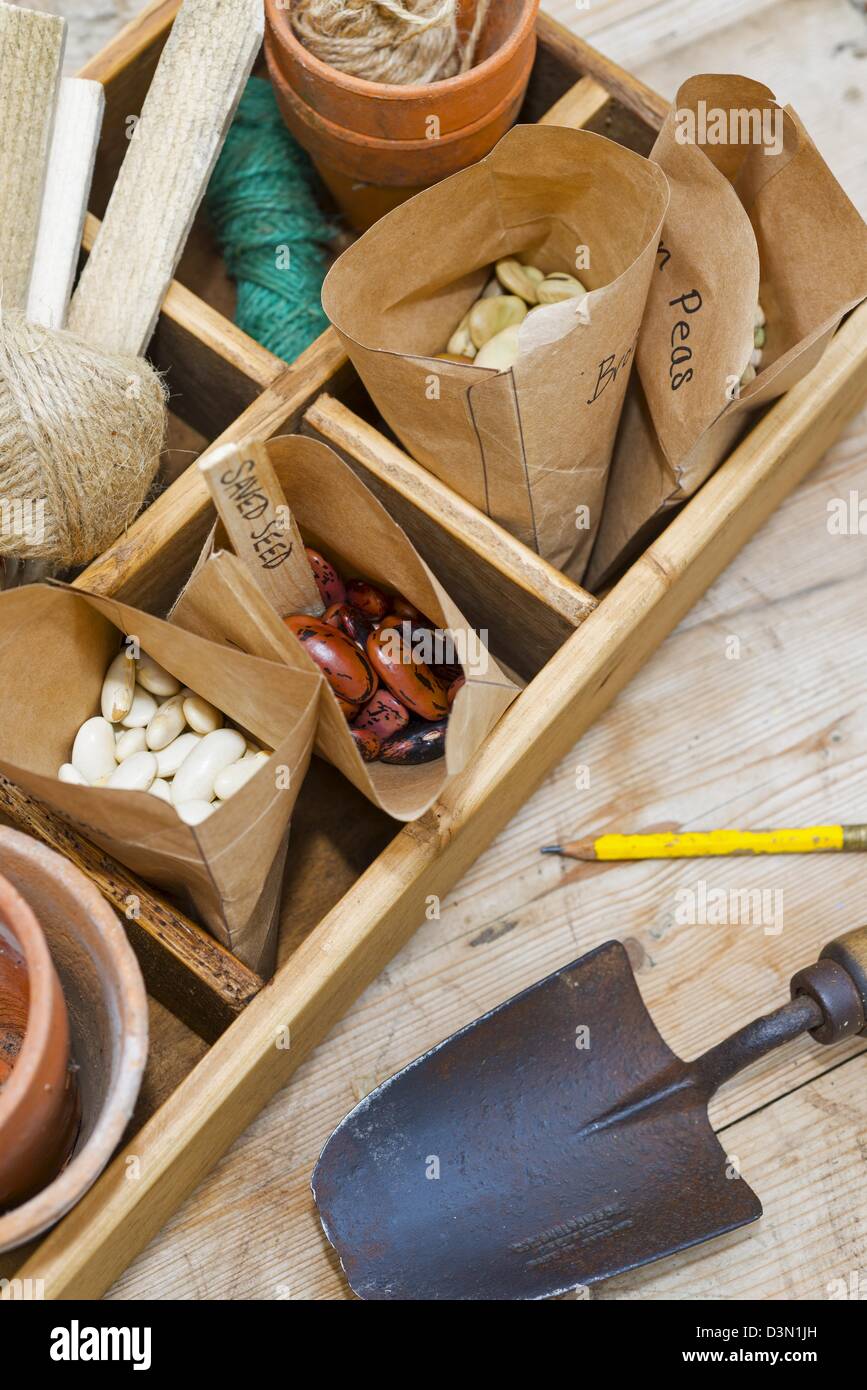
(838, 984)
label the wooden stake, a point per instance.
(77, 125)
(263, 532)
(31, 55)
(192, 99)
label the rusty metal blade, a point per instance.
(554, 1142)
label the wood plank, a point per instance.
(811, 1142)
(133, 42)
(574, 53)
(192, 99)
(349, 948)
(31, 56)
(579, 106)
(67, 187)
(184, 967)
(696, 736)
(633, 32)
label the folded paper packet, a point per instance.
(531, 446)
(55, 647)
(756, 217)
(340, 517)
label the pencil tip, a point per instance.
(552, 849)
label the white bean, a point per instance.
(234, 777)
(118, 688)
(194, 812)
(142, 710)
(156, 678)
(169, 759)
(160, 787)
(93, 749)
(71, 774)
(201, 716)
(167, 724)
(136, 774)
(128, 742)
(195, 779)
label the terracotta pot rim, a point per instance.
(20, 922)
(33, 1217)
(279, 26)
(329, 129)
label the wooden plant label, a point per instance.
(263, 532)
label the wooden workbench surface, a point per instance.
(753, 713)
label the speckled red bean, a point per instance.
(410, 681)
(372, 602)
(418, 743)
(351, 621)
(328, 582)
(344, 666)
(405, 609)
(367, 744)
(383, 715)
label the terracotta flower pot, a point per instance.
(39, 1110)
(106, 1006)
(374, 143)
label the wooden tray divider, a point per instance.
(355, 941)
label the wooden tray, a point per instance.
(358, 887)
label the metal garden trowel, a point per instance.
(556, 1141)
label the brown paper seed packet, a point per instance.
(342, 519)
(56, 644)
(756, 218)
(530, 446)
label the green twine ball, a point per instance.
(271, 231)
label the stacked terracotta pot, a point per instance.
(376, 144)
(73, 1036)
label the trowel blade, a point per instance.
(554, 1142)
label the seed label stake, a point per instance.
(263, 532)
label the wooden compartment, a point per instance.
(357, 884)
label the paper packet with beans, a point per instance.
(529, 442)
(761, 256)
(57, 645)
(349, 528)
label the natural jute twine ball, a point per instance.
(80, 438)
(398, 41)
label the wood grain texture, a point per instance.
(699, 734)
(579, 106)
(31, 56)
(626, 88)
(184, 967)
(779, 730)
(77, 125)
(349, 948)
(633, 32)
(173, 150)
(263, 532)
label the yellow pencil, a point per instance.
(694, 844)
